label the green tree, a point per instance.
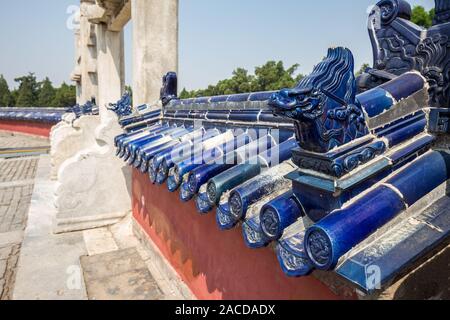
(14, 96)
(27, 94)
(432, 14)
(184, 94)
(46, 94)
(240, 82)
(273, 76)
(65, 96)
(270, 76)
(6, 99)
(362, 69)
(422, 17)
(129, 89)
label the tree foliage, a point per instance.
(28, 91)
(422, 17)
(65, 96)
(129, 89)
(271, 76)
(6, 98)
(268, 77)
(31, 93)
(362, 69)
(47, 94)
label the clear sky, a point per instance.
(215, 36)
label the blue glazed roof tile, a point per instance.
(359, 160)
(290, 252)
(400, 246)
(29, 114)
(238, 97)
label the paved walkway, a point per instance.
(103, 263)
(18, 170)
(14, 140)
(16, 188)
(36, 264)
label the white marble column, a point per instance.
(76, 73)
(88, 54)
(110, 65)
(155, 46)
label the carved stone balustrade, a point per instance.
(73, 134)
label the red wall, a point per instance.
(213, 263)
(29, 127)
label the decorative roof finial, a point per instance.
(442, 12)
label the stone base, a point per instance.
(93, 186)
(126, 278)
(63, 225)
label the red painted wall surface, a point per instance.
(29, 127)
(213, 263)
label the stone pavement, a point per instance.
(15, 140)
(9, 255)
(59, 266)
(36, 264)
(14, 203)
(18, 170)
(119, 275)
(16, 187)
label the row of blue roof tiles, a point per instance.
(43, 115)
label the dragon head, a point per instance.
(169, 88)
(323, 105)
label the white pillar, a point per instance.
(76, 74)
(111, 65)
(88, 55)
(155, 46)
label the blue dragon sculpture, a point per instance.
(169, 88)
(123, 107)
(324, 105)
(89, 108)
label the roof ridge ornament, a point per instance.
(442, 12)
(324, 105)
(400, 46)
(392, 9)
(169, 88)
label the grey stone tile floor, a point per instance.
(100, 264)
(15, 140)
(16, 188)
